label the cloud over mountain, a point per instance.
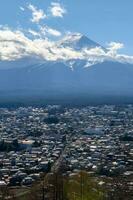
(16, 44)
(50, 31)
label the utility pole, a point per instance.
(74, 196)
(43, 190)
(62, 187)
(81, 184)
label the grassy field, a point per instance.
(83, 187)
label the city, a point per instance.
(95, 139)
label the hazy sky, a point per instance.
(101, 20)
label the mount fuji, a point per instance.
(71, 80)
(78, 41)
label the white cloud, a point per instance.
(54, 32)
(57, 10)
(34, 33)
(47, 30)
(113, 47)
(37, 14)
(22, 9)
(94, 51)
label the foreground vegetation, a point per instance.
(78, 186)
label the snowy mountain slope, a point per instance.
(36, 76)
(103, 77)
(78, 41)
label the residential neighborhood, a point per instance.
(97, 139)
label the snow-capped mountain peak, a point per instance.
(78, 41)
(72, 37)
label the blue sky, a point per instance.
(37, 27)
(101, 20)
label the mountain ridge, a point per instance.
(36, 77)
